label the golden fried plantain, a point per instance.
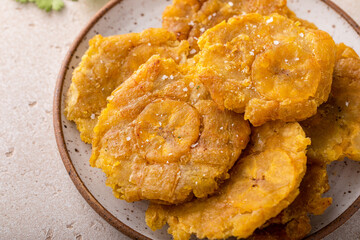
(335, 129)
(177, 17)
(107, 63)
(162, 138)
(263, 182)
(293, 222)
(190, 18)
(268, 67)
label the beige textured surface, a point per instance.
(37, 198)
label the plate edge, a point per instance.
(59, 135)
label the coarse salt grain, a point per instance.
(202, 29)
(171, 77)
(194, 145)
(185, 89)
(128, 138)
(191, 84)
(193, 51)
(92, 116)
(301, 35)
(164, 77)
(276, 42)
(270, 20)
(231, 4)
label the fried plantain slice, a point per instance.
(190, 18)
(264, 181)
(177, 17)
(162, 138)
(335, 129)
(107, 63)
(294, 222)
(268, 67)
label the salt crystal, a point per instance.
(191, 84)
(185, 89)
(194, 145)
(301, 35)
(270, 20)
(231, 4)
(202, 29)
(276, 42)
(92, 116)
(128, 138)
(193, 51)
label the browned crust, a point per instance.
(79, 183)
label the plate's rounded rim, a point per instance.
(79, 184)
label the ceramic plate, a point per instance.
(119, 17)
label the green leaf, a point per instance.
(46, 5)
(57, 5)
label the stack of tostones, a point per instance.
(162, 138)
(189, 19)
(263, 182)
(108, 62)
(341, 112)
(201, 117)
(274, 69)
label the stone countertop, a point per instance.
(37, 198)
